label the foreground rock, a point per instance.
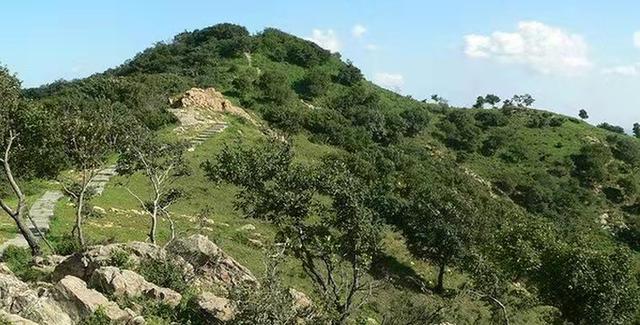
(210, 262)
(80, 302)
(126, 283)
(216, 307)
(19, 300)
(15, 319)
(82, 265)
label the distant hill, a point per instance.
(532, 209)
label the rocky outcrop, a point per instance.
(15, 319)
(216, 307)
(125, 283)
(82, 265)
(17, 298)
(204, 101)
(80, 302)
(210, 262)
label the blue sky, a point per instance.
(567, 54)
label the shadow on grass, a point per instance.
(386, 267)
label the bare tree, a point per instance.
(20, 211)
(161, 163)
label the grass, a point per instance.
(126, 222)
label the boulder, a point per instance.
(301, 301)
(216, 307)
(210, 262)
(38, 306)
(15, 319)
(125, 283)
(80, 302)
(82, 265)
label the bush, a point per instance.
(625, 148)
(19, 261)
(315, 83)
(164, 273)
(491, 118)
(275, 86)
(288, 118)
(612, 128)
(349, 74)
(99, 317)
(591, 163)
(459, 131)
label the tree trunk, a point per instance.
(440, 285)
(26, 232)
(79, 209)
(154, 223)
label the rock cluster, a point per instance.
(81, 283)
(198, 106)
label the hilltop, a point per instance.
(463, 215)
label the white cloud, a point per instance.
(392, 81)
(326, 39)
(631, 70)
(358, 31)
(545, 49)
(636, 39)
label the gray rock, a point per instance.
(125, 283)
(210, 262)
(216, 307)
(80, 302)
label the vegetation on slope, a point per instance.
(486, 215)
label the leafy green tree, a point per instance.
(590, 286)
(479, 102)
(459, 131)
(492, 100)
(315, 83)
(87, 146)
(583, 114)
(625, 148)
(442, 220)
(161, 163)
(349, 74)
(275, 86)
(612, 128)
(636, 130)
(335, 241)
(439, 100)
(591, 163)
(415, 120)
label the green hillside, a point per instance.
(479, 215)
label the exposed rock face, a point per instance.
(198, 107)
(210, 262)
(301, 301)
(112, 280)
(79, 302)
(216, 307)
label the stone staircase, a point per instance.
(206, 134)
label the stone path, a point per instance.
(42, 210)
(206, 134)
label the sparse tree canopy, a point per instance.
(583, 114)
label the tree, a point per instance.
(459, 131)
(439, 100)
(591, 163)
(275, 86)
(335, 241)
(349, 74)
(590, 286)
(611, 128)
(445, 215)
(492, 100)
(636, 130)
(479, 102)
(315, 83)
(19, 212)
(583, 114)
(87, 146)
(161, 163)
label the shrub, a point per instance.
(19, 261)
(349, 74)
(164, 273)
(491, 118)
(275, 86)
(591, 163)
(99, 317)
(288, 118)
(120, 259)
(612, 128)
(315, 83)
